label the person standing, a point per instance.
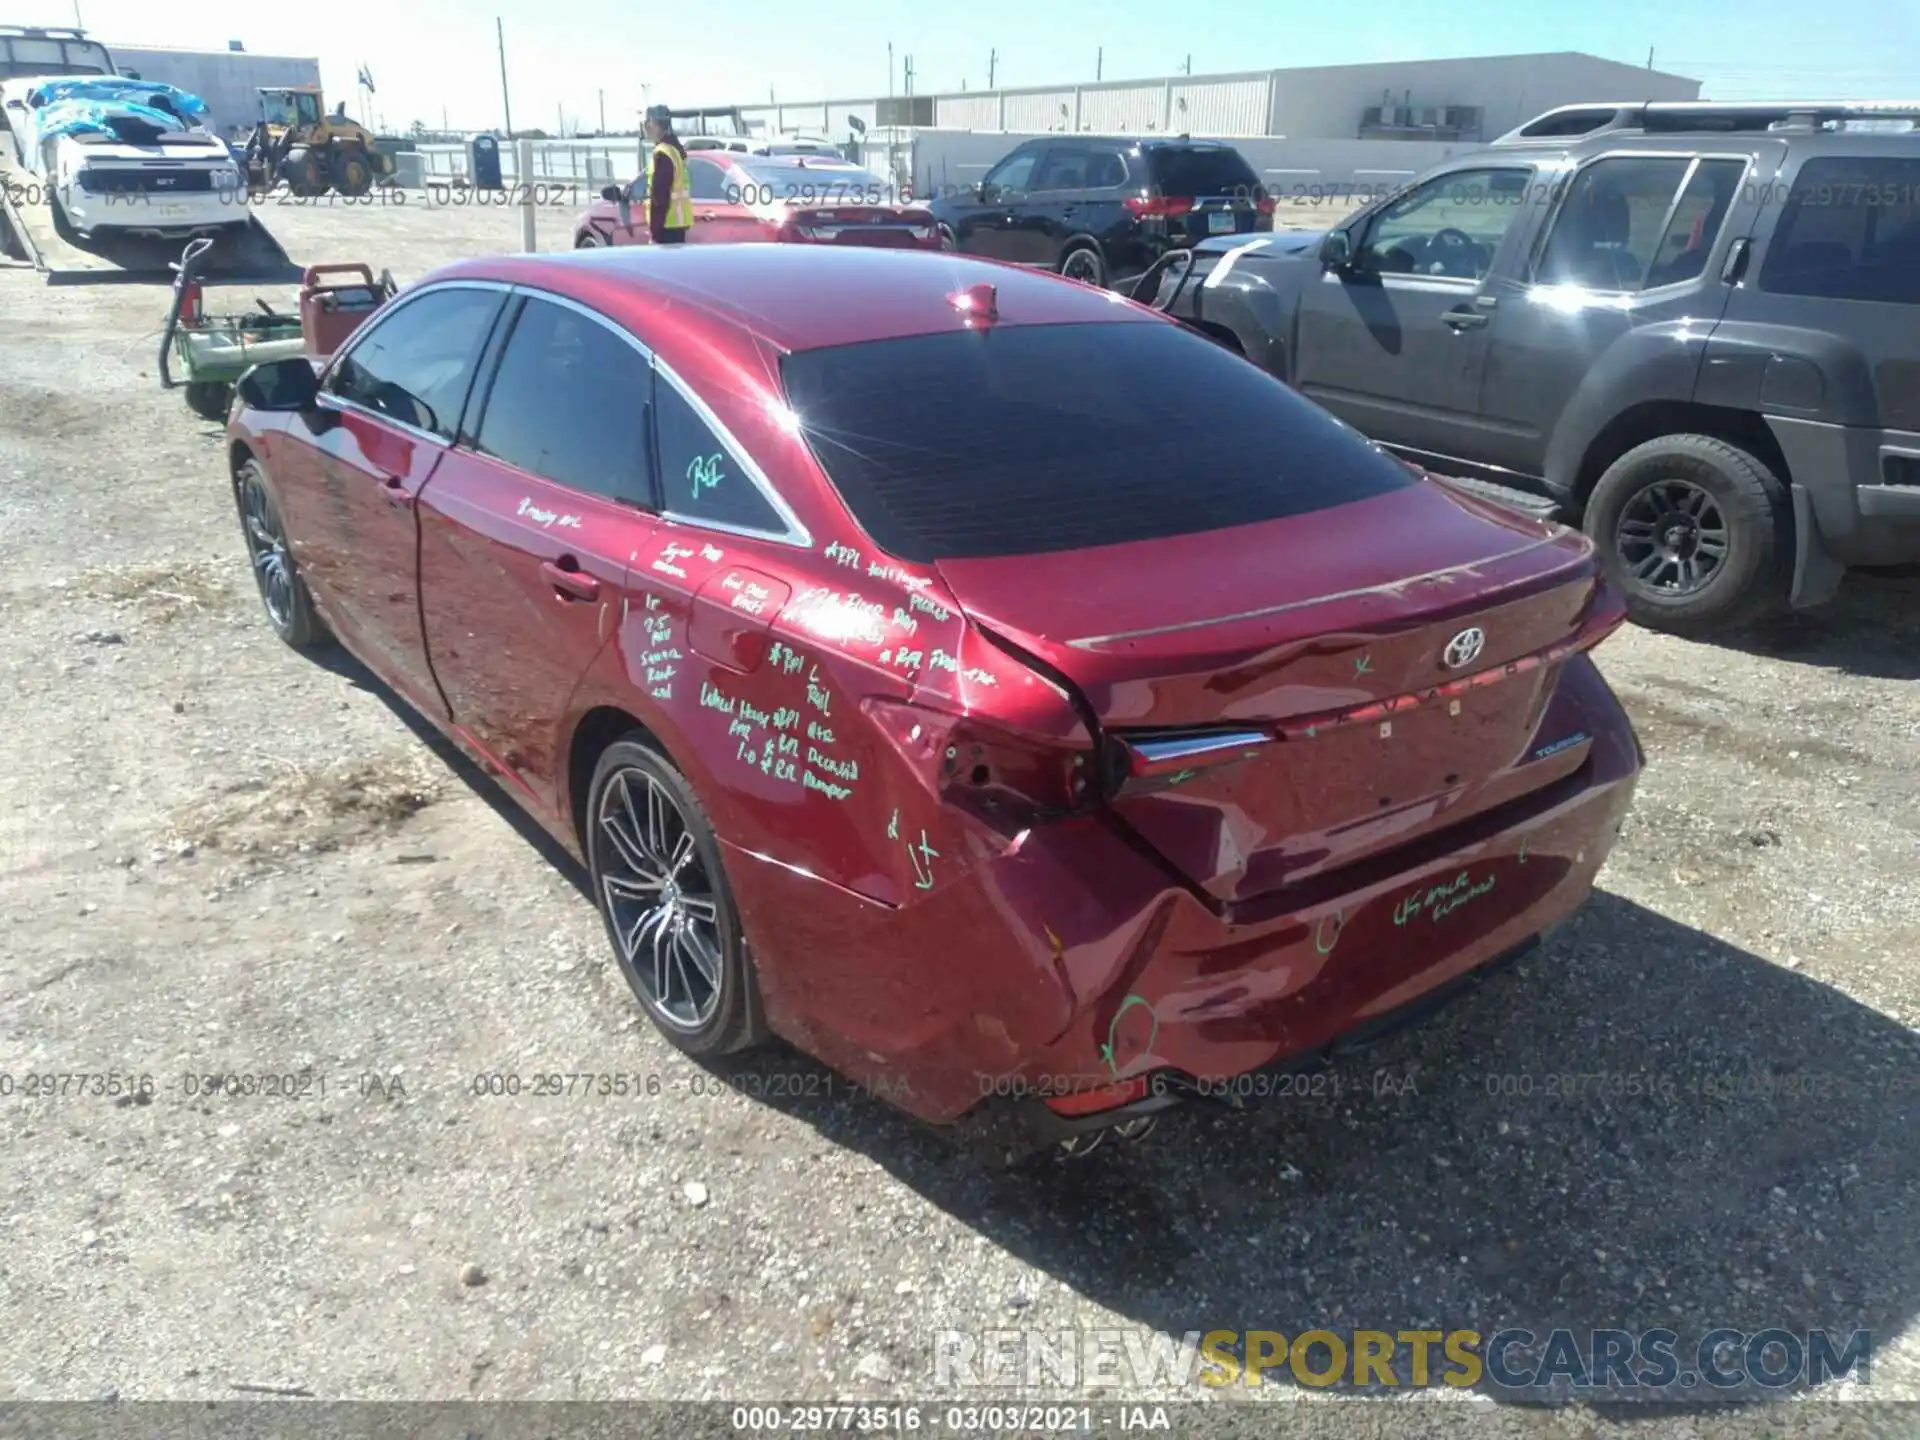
(669, 191)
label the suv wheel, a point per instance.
(1085, 265)
(1697, 533)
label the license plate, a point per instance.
(170, 212)
(1220, 222)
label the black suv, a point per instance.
(1099, 209)
(1695, 328)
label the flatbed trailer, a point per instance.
(244, 253)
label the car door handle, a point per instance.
(564, 575)
(396, 489)
(1735, 270)
(1463, 319)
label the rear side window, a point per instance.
(700, 478)
(414, 364)
(569, 404)
(1633, 222)
(1850, 231)
(1197, 174)
(1025, 439)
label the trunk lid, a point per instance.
(845, 223)
(1288, 697)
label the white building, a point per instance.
(1339, 125)
(1469, 99)
(228, 80)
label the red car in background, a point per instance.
(1009, 696)
(761, 198)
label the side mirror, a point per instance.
(1336, 251)
(284, 386)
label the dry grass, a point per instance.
(165, 591)
(312, 807)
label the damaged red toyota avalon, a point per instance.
(1015, 700)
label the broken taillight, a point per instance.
(1010, 779)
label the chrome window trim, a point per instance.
(372, 327)
(796, 533)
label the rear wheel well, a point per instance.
(237, 455)
(597, 729)
(1642, 423)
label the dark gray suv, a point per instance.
(1694, 328)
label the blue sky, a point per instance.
(432, 56)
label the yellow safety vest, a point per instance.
(680, 198)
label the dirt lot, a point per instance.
(217, 856)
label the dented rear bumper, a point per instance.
(1061, 974)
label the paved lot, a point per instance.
(217, 856)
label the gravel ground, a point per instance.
(217, 856)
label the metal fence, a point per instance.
(572, 162)
(591, 164)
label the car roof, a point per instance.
(796, 297)
(1142, 142)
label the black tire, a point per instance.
(305, 174)
(1085, 263)
(352, 170)
(289, 607)
(1722, 491)
(947, 240)
(721, 1013)
(587, 242)
(210, 400)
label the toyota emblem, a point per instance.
(1463, 649)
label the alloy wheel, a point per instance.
(666, 918)
(267, 549)
(1672, 538)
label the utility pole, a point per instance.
(993, 62)
(603, 112)
(909, 74)
(506, 104)
(1099, 63)
(1649, 57)
(562, 109)
(889, 69)
(1189, 64)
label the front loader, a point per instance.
(297, 141)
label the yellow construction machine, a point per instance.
(297, 141)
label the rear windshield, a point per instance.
(1192, 173)
(783, 180)
(1025, 439)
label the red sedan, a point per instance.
(1016, 700)
(758, 198)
